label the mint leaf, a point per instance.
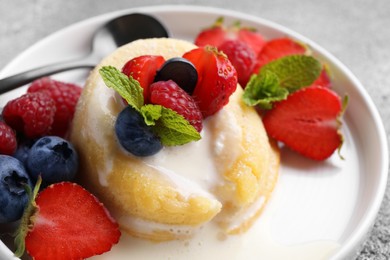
(127, 87)
(151, 113)
(294, 71)
(174, 129)
(263, 89)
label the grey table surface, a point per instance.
(356, 32)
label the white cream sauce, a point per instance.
(209, 243)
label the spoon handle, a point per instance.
(20, 79)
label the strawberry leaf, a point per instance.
(127, 87)
(27, 219)
(264, 89)
(294, 71)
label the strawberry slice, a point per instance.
(217, 79)
(143, 69)
(307, 122)
(67, 222)
(323, 80)
(275, 49)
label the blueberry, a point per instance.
(23, 149)
(134, 135)
(13, 196)
(54, 158)
(181, 71)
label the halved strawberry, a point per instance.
(323, 80)
(277, 48)
(67, 222)
(307, 122)
(217, 34)
(143, 69)
(217, 79)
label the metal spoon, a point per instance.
(115, 33)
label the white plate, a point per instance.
(330, 201)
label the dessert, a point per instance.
(226, 177)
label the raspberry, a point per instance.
(31, 114)
(170, 95)
(65, 96)
(7, 139)
(242, 58)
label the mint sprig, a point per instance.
(278, 78)
(171, 127)
(127, 87)
(263, 89)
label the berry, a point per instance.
(69, 223)
(217, 79)
(307, 122)
(13, 197)
(8, 141)
(242, 57)
(53, 158)
(134, 135)
(323, 80)
(65, 96)
(252, 38)
(23, 149)
(180, 71)
(170, 95)
(217, 34)
(143, 69)
(31, 114)
(275, 49)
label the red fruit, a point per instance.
(323, 80)
(8, 142)
(307, 122)
(277, 48)
(213, 36)
(31, 114)
(65, 96)
(252, 38)
(217, 79)
(217, 34)
(170, 95)
(70, 224)
(143, 69)
(242, 57)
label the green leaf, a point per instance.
(294, 71)
(151, 113)
(27, 219)
(263, 89)
(174, 129)
(127, 87)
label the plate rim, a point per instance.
(357, 237)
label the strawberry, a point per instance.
(323, 80)
(307, 122)
(66, 222)
(143, 69)
(217, 79)
(242, 57)
(217, 34)
(170, 95)
(277, 48)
